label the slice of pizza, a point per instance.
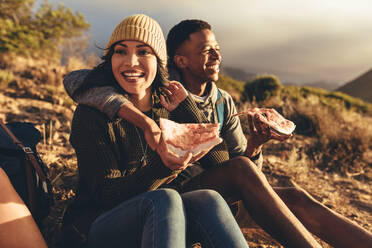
(277, 123)
(193, 137)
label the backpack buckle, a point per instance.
(27, 150)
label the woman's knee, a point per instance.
(165, 198)
(205, 200)
(210, 196)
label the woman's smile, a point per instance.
(134, 65)
(133, 76)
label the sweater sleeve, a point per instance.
(104, 175)
(104, 98)
(188, 112)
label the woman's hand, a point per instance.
(175, 94)
(171, 160)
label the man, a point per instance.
(194, 55)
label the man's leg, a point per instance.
(330, 226)
(17, 227)
(239, 178)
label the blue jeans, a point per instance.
(164, 218)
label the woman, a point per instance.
(118, 202)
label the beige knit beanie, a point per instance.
(141, 28)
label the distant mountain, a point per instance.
(359, 87)
(237, 73)
(319, 84)
(323, 85)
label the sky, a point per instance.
(300, 41)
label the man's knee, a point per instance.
(243, 170)
(297, 197)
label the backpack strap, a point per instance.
(220, 108)
(30, 158)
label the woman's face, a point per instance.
(134, 66)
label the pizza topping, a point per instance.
(276, 122)
(192, 137)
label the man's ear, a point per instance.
(180, 61)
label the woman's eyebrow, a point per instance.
(123, 45)
(142, 45)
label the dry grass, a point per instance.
(324, 138)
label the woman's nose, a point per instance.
(131, 60)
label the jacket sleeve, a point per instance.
(103, 173)
(232, 132)
(103, 98)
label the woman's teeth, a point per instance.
(132, 74)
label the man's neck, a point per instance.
(196, 88)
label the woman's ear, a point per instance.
(180, 61)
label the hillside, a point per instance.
(343, 183)
(237, 74)
(359, 87)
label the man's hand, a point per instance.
(260, 133)
(175, 93)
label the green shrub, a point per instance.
(262, 87)
(5, 78)
(41, 33)
(234, 87)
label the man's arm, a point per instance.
(104, 98)
(232, 132)
(110, 102)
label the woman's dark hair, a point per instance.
(180, 33)
(102, 75)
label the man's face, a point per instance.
(202, 57)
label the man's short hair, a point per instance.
(180, 33)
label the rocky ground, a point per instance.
(285, 163)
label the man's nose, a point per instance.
(215, 54)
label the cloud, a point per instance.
(302, 40)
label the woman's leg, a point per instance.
(151, 219)
(210, 221)
(17, 227)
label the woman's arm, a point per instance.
(103, 169)
(107, 100)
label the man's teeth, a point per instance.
(213, 67)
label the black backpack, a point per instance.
(24, 167)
